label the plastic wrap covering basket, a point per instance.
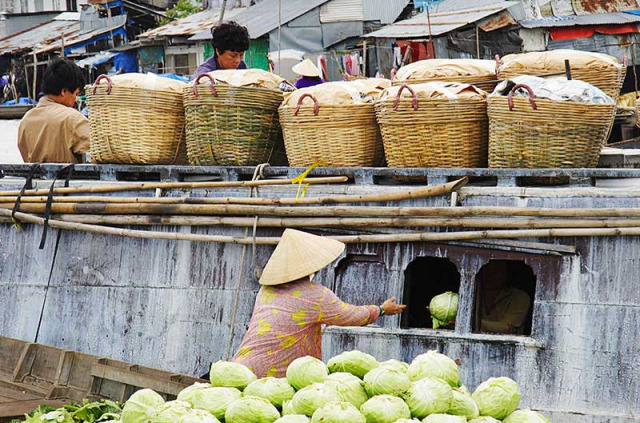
(132, 125)
(335, 135)
(539, 133)
(608, 78)
(228, 125)
(436, 132)
(442, 70)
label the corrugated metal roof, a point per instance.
(53, 34)
(587, 7)
(597, 19)
(262, 18)
(99, 58)
(341, 11)
(192, 24)
(442, 21)
(385, 11)
(41, 34)
(82, 35)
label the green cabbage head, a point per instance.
(293, 418)
(434, 364)
(349, 387)
(276, 390)
(407, 421)
(307, 400)
(231, 375)
(484, 419)
(355, 362)
(338, 412)
(497, 397)
(443, 308)
(214, 400)
(385, 409)
(186, 392)
(462, 404)
(141, 407)
(306, 370)
(428, 396)
(444, 418)
(197, 416)
(386, 380)
(287, 408)
(171, 411)
(251, 409)
(395, 364)
(525, 416)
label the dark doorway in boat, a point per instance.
(424, 278)
(504, 298)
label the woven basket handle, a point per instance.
(197, 81)
(414, 101)
(316, 105)
(100, 78)
(532, 96)
(497, 58)
(624, 60)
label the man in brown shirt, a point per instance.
(53, 131)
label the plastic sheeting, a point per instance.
(556, 89)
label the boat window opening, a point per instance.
(504, 298)
(426, 277)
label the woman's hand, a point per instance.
(390, 307)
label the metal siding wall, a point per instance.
(341, 11)
(307, 39)
(385, 11)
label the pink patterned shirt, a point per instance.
(287, 321)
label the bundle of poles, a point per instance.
(81, 209)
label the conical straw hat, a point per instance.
(306, 68)
(297, 255)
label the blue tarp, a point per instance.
(633, 12)
(174, 76)
(127, 62)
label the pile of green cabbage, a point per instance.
(352, 387)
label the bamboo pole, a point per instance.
(172, 185)
(326, 211)
(342, 222)
(349, 239)
(332, 199)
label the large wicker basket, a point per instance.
(131, 125)
(336, 135)
(538, 133)
(609, 79)
(228, 125)
(438, 132)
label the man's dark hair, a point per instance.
(230, 36)
(62, 74)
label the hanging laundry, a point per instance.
(347, 64)
(355, 64)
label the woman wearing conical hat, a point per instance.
(290, 308)
(309, 74)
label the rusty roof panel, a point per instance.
(501, 20)
(588, 7)
(191, 25)
(441, 22)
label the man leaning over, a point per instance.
(53, 131)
